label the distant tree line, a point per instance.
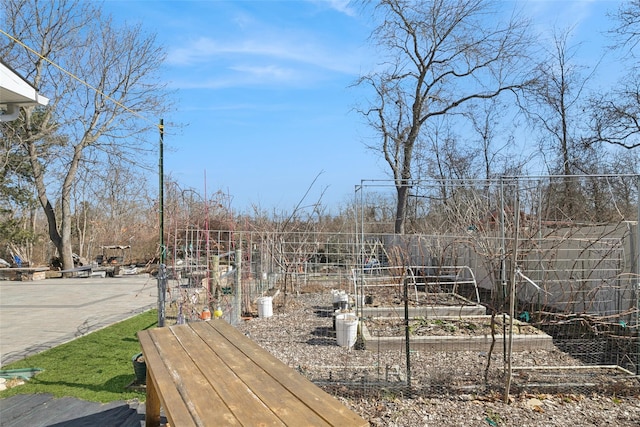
(461, 83)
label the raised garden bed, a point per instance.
(468, 333)
(428, 305)
(565, 379)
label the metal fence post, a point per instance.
(238, 281)
(162, 291)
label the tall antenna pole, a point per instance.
(161, 191)
(162, 273)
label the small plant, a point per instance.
(388, 395)
(417, 324)
(471, 326)
(450, 328)
(493, 418)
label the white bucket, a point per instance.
(346, 329)
(265, 307)
(343, 301)
(340, 299)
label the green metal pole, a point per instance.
(162, 272)
(161, 192)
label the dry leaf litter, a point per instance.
(300, 336)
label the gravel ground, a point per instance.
(302, 337)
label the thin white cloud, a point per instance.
(247, 50)
(342, 6)
(563, 14)
(205, 49)
(249, 76)
(272, 72)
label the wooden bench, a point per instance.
(23, 274)
(208, 373)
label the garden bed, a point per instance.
(436, 304)
(468, 333)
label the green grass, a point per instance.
(96, 367)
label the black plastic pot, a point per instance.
(140, 368)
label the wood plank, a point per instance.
(39, 275)
(204, 404)
(237, 395)
(284, 403)
(175, 407)
(317, 400)
(153, 404)
(207, 372)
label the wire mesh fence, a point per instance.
(502, 285)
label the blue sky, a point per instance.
(263, 92)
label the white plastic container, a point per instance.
(343, 301)
(346, 329)
(265, 307)
(340, 299)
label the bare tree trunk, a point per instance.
(401, 209)
(38, 178)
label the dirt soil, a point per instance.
(385, 297)
(299, 333)
(468, 326)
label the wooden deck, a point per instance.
(208, 373)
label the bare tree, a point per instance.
(102, 81)
(615, 116)
(554, 105)
(441, 55)
(627, 30)
(446, 158)
(493, 138)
